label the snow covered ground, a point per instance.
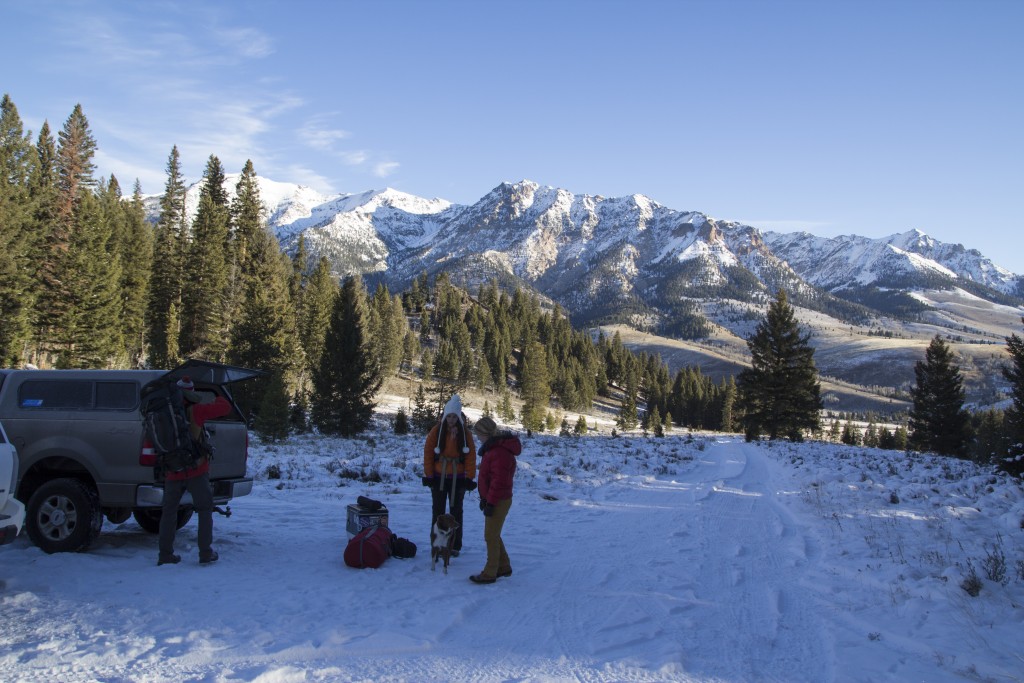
(688, 558)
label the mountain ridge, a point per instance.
(678, 274)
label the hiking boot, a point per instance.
(482, 578)
(504, 572)
(207, 558)
(168, 559)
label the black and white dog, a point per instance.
(442, 538)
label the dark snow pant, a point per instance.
(440, 499)
(202, 501)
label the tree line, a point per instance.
(86, 281)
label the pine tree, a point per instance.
(779, 394)
(627, 418)
(264, 334)
(1014, 419)
(938, 421)
(347, 379)
(164, 308)
(654, 422)
(581, 426)
(850, 437)
(136, 266)
(423, 418)
(401, 422)
(728, 420)
(834, 432)
(317, 304)
(410, 349)
(535, 390)
(274, 417)
(427, 365)
(74, 184)
(203, 327)
(387, 329)
(247, 222)
(17, 163)
(299, 419)
(507, 412)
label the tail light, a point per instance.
(147, 456)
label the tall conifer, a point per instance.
(348, 377)
(17, 163)
(779, 394)
(136, 266)
(938, 421)
(203, 327)
(317, 305)
(536, 390)
(164, 310)
(74, 182)
(1014, 421)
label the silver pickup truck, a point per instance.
(83, 453)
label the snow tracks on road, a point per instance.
(697, 575)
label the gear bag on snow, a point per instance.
(167, 428)
(369, 548)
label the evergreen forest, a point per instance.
(87, 282)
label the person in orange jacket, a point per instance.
(449, 466)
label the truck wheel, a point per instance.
(149, 518)
(64, 516)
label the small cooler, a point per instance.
(359, 518)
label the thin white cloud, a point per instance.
(248, 42)
(176, 85)
(321, 137)
(385, 168)
(302, 175)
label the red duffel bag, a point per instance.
(369, 548)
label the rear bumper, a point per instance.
(12, 519)
(223, 491)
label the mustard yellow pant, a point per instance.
(497, 558)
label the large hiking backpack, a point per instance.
(166, 424)
(369, 548)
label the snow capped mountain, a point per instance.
(907, 259)
(628, 259)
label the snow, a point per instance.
(695, 557)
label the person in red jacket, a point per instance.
(498, 453)
(200, 408)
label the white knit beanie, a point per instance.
(453, 407)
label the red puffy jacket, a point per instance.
(199, 413)
(498, 467)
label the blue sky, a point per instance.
(868, 117)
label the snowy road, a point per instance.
(695, 571)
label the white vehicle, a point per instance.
(12, 512)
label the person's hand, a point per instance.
(427, 481)
(470, 485)
(483, 504)
(488, 510)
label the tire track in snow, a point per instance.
(751, 558)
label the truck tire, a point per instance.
(149, 518)
(64, 516)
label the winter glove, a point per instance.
(427, 481)
(483, 504)
(488, 510)
(470, 485)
